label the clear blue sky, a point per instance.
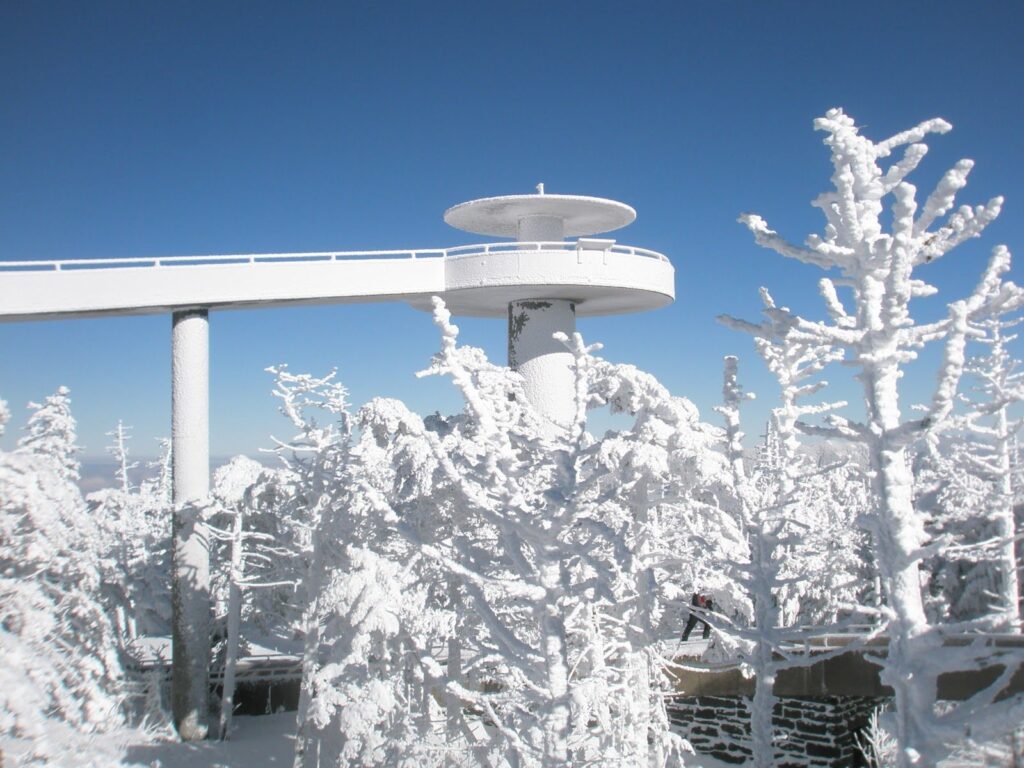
(182, 128)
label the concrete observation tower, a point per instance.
(541, 282)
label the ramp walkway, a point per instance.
(601, 276)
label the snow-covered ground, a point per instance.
(256, 742)
(267, 741)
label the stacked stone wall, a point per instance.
(715, 725)
(808, 732)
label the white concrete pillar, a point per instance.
(190, 405)
(190, 409)
(545, 364)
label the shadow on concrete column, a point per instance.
(545, 364)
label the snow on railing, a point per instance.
(461, 251)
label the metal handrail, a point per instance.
(461, 251)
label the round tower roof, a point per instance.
(500, 216)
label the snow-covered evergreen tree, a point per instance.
(50, 432)
(60, 678)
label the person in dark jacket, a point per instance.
(703, 602)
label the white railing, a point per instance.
(461, 251)
(569, 246)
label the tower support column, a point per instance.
(190, 452)
(545, 364)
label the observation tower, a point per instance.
(541, 282)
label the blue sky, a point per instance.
(159, 128)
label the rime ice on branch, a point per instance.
(878, 336)
(998, 385)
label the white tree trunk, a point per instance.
(552, 625)
(453, 707)
(898, 538)
(227, 704)
(1006, 522)
(766, 619)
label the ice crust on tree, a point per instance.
(50, 432)
(61, 676)
(135, 562)
(967, 485)
(877, 334)
(487, 592)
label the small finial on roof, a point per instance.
(540, 188)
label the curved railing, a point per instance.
(461, 251)
(569, 246)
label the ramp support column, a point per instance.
(190, 450)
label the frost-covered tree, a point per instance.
(249, 554)
(365, 699)
(961, 573)
(788, 511)
(60, 678)
(998, 386)
(315, 460)
(50, 432)
(492, 592)
(759, 572)
(119, 450)
(134, 548)
(878, 337)
(966, 482)
(799, 494)
(158, 487)
(779, 560)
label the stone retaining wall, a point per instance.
(808, 732)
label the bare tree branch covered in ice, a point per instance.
(877, 333)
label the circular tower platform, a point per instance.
(541, 283)
(598, 276)
(598, 279)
